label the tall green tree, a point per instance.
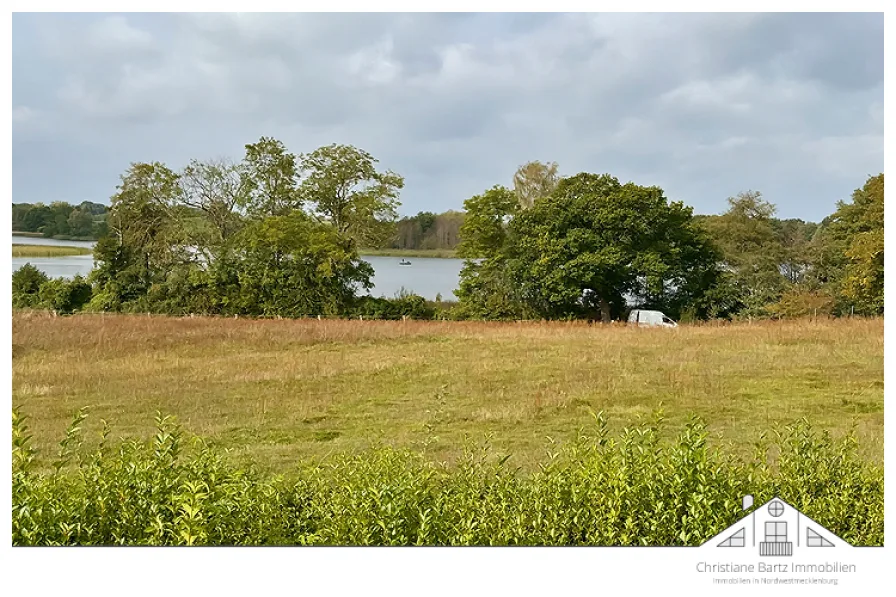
(594, 241)
(751, 249)
(581, 250)
(486, 289)
(271, 173)
(857, 229)
(484, 231)
(146, 239)
(343, 187)
(294, 266)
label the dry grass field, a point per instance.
(279, 391)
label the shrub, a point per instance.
(599, 490)
(799, 302)
(403, 305)
(26, 283)
(65, 296)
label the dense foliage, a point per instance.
(428, 231)
(277, 235)
(588, 246)
(791, 268)
(582, 249)
(60, 219)
(635, 489)
(32, 289)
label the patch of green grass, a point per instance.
(48, 251)
(343, 386)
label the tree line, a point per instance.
(588, 246)
(86, 221)
(278, 234)
(274, 234)
(428, 231)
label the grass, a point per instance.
(430, 253)
(48, 251)
(280, 391)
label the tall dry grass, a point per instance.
(278, 391)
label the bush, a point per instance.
(26, 283)
(799, 302)
(65, 296)
(599, 490)
(403, 305)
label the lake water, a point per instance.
(425, 276)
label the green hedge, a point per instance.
(612, 491)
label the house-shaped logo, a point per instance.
(775, 529)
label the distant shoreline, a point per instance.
(422, 253)
(55, 237)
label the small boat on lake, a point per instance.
(404, 262)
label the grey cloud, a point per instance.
(705, 105)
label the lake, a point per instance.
(425, 276)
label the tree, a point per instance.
(484, 231)
(858, 227)
(219, 190)
(344, 188)
(36, 218)
(485, 290)
(146, 239)
(428, 231)
(795, 237)
(100, 228)
(65, 296)
(26, 283)
(19, 210)
(594, 240)
(271, 173)
(80, 223)
(294, 266)
(534, 180)
(57, 223)
(94, 209)
(751, 249)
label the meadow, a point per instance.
(48, 250)
(277, 393)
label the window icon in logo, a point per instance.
(776, 543)
(738, 539)
(776, 508)
(814, 539)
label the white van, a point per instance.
(650, 318)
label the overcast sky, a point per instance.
(703, 105)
